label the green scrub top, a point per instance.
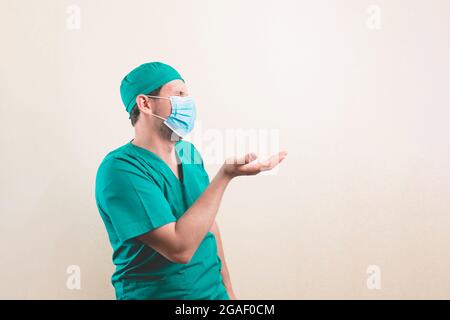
(136, 192)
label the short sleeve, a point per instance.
(132, 201)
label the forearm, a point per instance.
(193, 225)
(224, 272)
(227, 283)
(178, 241)
(226, 276)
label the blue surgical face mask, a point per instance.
(182, 119)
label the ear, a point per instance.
(143, 104)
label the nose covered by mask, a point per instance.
(182, 119)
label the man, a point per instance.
(156, 200)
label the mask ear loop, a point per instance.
(158, 97)
(155, 115)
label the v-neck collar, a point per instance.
(178, 152)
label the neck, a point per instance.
(153, 141)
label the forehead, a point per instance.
(174, 86)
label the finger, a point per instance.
(250, 168)
(256, 167)
(273, 161)
(249, 157)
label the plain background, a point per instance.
(363, 113)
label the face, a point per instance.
(161, 107)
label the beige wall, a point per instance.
(364, 114)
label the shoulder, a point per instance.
(115, 162)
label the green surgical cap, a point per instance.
(144, 79)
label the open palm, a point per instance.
(248, 166)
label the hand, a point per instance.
(247, 165)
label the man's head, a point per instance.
(141, 88)
(157, 103)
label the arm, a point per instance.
(225, 273)
(178, 241)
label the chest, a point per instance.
(181, 185)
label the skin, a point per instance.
(178, 241)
